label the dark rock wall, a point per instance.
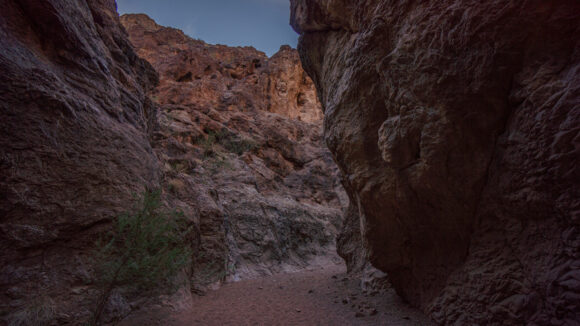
(455, 125)
(73, 141)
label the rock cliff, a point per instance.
(192, 71)
(74, 144)
(233, 139)
(240, 136)
(455, 126)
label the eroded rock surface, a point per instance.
(240, 137)
(80, 136)
(221, 76)
(74, 145)
(455, 124)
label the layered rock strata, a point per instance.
(240, 135)
(455, 125)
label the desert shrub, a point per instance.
(181, 166)
(230, 142)
(207, 144)
(218, 163)
(144, 252)
(240, 146)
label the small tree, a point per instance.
(144, 251)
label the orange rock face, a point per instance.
(194, 72)
(455, 125)
(240, 138)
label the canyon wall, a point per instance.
(194, 71)
(232, 138)
(240, 138)
(455, 126)
(74, 144)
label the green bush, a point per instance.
(228, 141)
(240, 146)
(208, 143)
(144, 252)
(218, 163)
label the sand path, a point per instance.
(324, 296)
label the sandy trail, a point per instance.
(324, 296)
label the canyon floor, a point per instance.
(322, 295)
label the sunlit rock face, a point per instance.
(209, 72)
(455, 125)
(240, 140)
(74, 145)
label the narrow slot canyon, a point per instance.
(401, 163)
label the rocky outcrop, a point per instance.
(73, 145)
(455, 124)
(240, 140)
(207, 73)
(80, 135)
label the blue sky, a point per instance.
(262, 24)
